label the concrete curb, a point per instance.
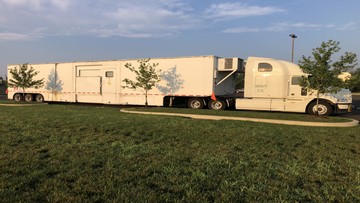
(284, 122)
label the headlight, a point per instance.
(344, 100)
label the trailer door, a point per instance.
(88, 84)
(109, 86)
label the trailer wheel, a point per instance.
(18, 97)
(324, 108)
(39, 98)
(195, 103)
(28, 97)
(216, 105)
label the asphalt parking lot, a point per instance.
(355, 114)
(3, 96)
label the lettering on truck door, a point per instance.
(261, 86)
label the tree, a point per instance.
(354, 82)
(146, 76)
(323, 72)
(3, 85)
(22, 77)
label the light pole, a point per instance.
(293, 36)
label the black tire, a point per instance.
(217, 104)
(18, 97)
(324, 108)
(28, 97)
(195, 103)
(39, 98)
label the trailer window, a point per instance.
(109, 74)
(264, 67)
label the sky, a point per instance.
(49, 31)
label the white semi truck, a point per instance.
(197, 82)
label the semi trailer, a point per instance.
(196, 82)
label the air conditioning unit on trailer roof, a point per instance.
(230, 64)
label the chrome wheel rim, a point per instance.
(195, 104)
(216, 105)
(322, 109)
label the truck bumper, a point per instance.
(344, 107)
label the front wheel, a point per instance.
(216, 105)
(195, 103)
(324, 108)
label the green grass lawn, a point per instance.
(68, 153)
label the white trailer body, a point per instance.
(190, 79)
(273, 85)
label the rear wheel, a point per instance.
(195, 103)
(39, 98)
(28, 97)
(324, 108)
(18, 97)
(216, 105)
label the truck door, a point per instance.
(296, 95)
(109, 86)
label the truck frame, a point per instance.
(195, 81)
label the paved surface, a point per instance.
(284, 122)
(3, 97)
(355, 114)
